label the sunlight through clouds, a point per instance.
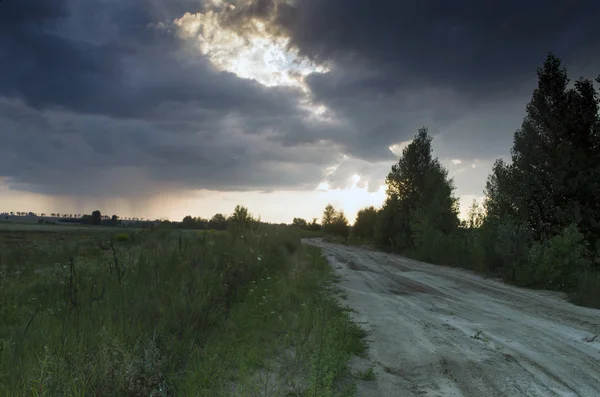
(255, 55)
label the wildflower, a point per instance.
(268, 278)
(259, 258)
(272, 312)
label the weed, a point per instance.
(368, 374)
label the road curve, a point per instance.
(441, 331)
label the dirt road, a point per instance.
(440, 331)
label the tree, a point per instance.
(300, 223)
(417, 186)
(499, 200)
(340, 226)
(96, 217)
(554, 178)
(114, 220)
(364, 225)
(314, 226)
(556, 155)
(241, 216)
(218, 222)
(328, 218)
(550, 191)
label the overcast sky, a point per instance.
(162, 108)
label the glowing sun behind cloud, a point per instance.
(252, 52)
(255, 55)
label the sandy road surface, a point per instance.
(440, 331)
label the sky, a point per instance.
(167, 108)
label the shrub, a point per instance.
(364, 225)
(511, 249)
(557, 262)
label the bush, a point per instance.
(364, 225)
(511, 249)
(557, 262)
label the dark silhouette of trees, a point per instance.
(300, 223)
(328, 218)
(335, 222)
(96, 217)
(547, 199)
(241, 217)
(218, 222)
(364, 225)
(420, 202)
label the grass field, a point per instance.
(248, 312)
(35, 227)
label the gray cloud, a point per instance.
(471, 45)
(465, 70)
(103, 97)
(65, 153)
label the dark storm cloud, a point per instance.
(103, 97)
(400, 65)
(65, 153)
(471, 45)
(125, 69)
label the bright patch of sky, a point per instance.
(258, 55)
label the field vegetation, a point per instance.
(247, 311)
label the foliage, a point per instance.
(335, 222)
(241, 217)
(419, 194)
(173, 313)
(364, 225)
(218, 222)
(328, 218)
(556, 263)
(540, 221)
(512, 242)
(303, 224)
(96, 217)
(554, 178)
(300, 222)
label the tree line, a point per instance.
(539, 225)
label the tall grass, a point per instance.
(164, 313)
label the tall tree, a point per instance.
(556, 156)
(364, 225)
(96, 217)
(241, 216)
(328, 217)
(418, 183)
(499, 200)
(340, 226)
